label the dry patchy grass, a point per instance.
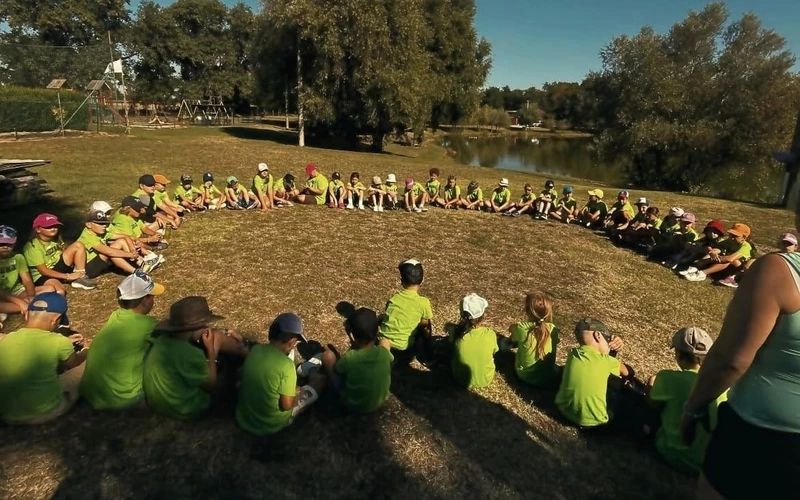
(432, 440)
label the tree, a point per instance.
(705, 99)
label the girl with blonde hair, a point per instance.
(536, 340)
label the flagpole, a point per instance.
(124, 89)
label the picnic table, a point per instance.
(18, 185)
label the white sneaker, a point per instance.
(375, 208)
(417, 210)
(306, 398)
(350, 206)
(698, 276)
(361, 207)
(689, 270)
(315, 363)
(380, 209)
(424, 209)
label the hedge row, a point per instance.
(36, 110)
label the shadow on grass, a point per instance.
(21, 217)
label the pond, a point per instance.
(557, 157)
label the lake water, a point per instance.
(556, 157)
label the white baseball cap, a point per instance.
(676, 211)
(503, 182)
(263, 167)
(474, 305)
(138, 285)
(642, 201)
(391, 179)
(100, 206)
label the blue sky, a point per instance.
(534, 42)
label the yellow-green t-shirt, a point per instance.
(624, 207)
(10, 270)
(672, 389)
(159, 197)
(115, 363)
(391, 188)
(526, 198)
(432, 186)
(268, 374)
(539, 372)
(38, 252)
(404, 311)
(190, 194)
(569, 203)
(597, 206)
(321, 183)
(475, 195)
(639, 218)
(278, 185)
(417, 189)
(213, 191)
(689, 235)
(125, 224)
(473, 359)
(90, 239)
(367, 375)
(549, 193)
(582, 395)
(261, 185)
(452, 193)
(501, 196)
(656, 224)
(336, 185)
(29, 385)
(240, 191)
(174, 371)
(745, 250)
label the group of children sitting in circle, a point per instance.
(179, 366)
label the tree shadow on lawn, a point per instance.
(21, 217)
(289, 138)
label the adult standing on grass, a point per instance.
(755, 448)
(316, 187)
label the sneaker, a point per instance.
(251, 206)
(689, 270)
(160, 246)
(698, 276)
(84, 283)
(304, 369)
(588, 224)
(380, 209)
(417, 210)
(730, 282)
(375, 208)
(424, 209)
(306, 398)
(516, 214)
(350, 206)
(361, 207)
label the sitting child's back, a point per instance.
(367, 375)
(474, 345)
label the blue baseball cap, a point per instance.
(49, 302)
(567, 189)
(289, 323)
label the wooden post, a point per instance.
(301, 126)
(60, 114)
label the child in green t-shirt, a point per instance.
(213, 198)
(668, 391)
(284, 190)
(362, 375)
(644, 232)
(545, 200)
(376, 193)
(474, 198)
(452, 194)
(269, 398)
(102, 252)
(525, 203)
(355, 192)
(583, 395)
(500, 199)
(431, 194)
(567, 208)
(536, 341)
(414, 196)
(594, 212)
(391, 200)
(406, 324)
(474, 345)
(732, 256)
(237, 196)
(188, 196)
(336, 191)
(49, 258)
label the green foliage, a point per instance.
(35, 110)
(700, 101)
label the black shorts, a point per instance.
(747, 461)
(96, 267)
(60, 267)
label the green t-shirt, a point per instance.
(190, 194)
(212, 192)
(90, 239)
(29, 385)
(319, 182)
(367, 375)
(336, 185)
(525, 198)
(626, 207)
(159, 197)
(10, 270)
(569, 203)
(656, 224)
(125, 224)
(417, 189)
(667, 231)
(38, 252)
(268, 374)
(745, 250)
(358, 186)
(639, 218)
(501, 196)
(540, 372)
(261, 185)
(452, 193)
(391, 188)
(277, 185)
(240, 191)
(174, 370)
(689, 235)
(403, 313)
(672, 389)
(115, 363)
(432, 186)
(582, 395)
(551, 193)
(473, 359)
(597, 206)
(476, 195)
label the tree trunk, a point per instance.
(286, 103)
(377, 141)
(301, 126)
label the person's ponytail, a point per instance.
(539, 308)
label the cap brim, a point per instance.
(158, 289)
(734, 232)
(166, 326)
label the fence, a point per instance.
(38, 110)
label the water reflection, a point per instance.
(556, 157)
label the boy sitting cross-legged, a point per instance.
(269, 397)
(238, 197)
(363, 374)
(407, 321)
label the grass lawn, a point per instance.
(432, 439)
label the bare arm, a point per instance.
(73, 361)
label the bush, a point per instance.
(36, 110)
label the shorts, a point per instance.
(747, 461)
(60, 267)
(96, 267)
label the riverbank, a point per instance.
(432, 439)
(483, 132)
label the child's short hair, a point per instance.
(652, 211)
(363, 324)
(451, 178)
(433, 171)
(354, 175)
(472, 185)
(527, 186)
(411, 272)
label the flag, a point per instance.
(115, 67)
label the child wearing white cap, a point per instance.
(262, 187)
(668, 391)
(500, 199)
(376, 193)
(391, 199)
(474, 345)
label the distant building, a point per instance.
(513, 118)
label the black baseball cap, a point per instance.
(364, 324)
(98, 217)
(147, 180)
(133, 202)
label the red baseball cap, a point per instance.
(310, 168)
(46, 220)
(717, 226)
